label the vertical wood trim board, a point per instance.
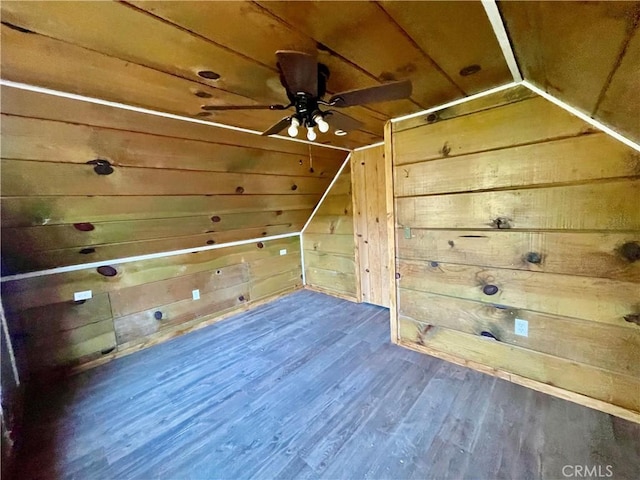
(520, 213)
(370, 216)
(391, 231)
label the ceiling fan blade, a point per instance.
(278, 127)
(244, 107)
(340, 121)
(379, 93)
(300, 71)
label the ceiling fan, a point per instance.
(305, 82)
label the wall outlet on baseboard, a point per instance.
(521, 327)
(85, 295)
(283, 251)
(195, 294)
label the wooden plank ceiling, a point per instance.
(149, 53)
(585, 53)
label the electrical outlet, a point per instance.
(195, 294)
(283, 251)
(521, 327)
(85, 295)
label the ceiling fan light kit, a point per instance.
(305, 83)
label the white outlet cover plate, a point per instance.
(85, 295)
(195, 294)
(283, 251)
(521, 327)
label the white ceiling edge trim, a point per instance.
(454, 103)
(582, 116)
(304, 274)
(7, 337)
(491, 9)
(123, 106)
(149, 256)
(377, 144)
(326, 192)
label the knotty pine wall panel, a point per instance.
(169, 184)
(146, 302)
(521, 211)
(329, 246)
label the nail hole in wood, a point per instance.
(84, 226)
(208, 74)
(157, 315)
(107, 271)
(490, 289)
(264, 234)
(215, 219)
(241, 298)
(218, 272)
(397, 276)
(260, 245)
(87, 251)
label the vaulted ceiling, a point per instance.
(149, 54)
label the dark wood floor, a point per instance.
(310, 387)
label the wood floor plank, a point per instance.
(308, 387)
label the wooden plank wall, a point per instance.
(511, 208)
(370, 215)
(175, 185)
(54, 332)
(329, 246)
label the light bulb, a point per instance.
(323, 126)
(293, 129)
(311, 135)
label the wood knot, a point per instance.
(260, 245)
(294, 187)
(239, 190)
(210, 242)
(633, 318)
(241, 298)
(157, 315)
(630, 251)
(446, 149)
(490, 289)
(488, 334)
(451, 243)
(501, 223)
(398, 275)
(433, 264)
(432, 118)
(84, 226)
(533, 257)
(107, 271)
(87, 251)
(215, 219)
(101, 167)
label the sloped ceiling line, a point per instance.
(98, 101)
(503, 39)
